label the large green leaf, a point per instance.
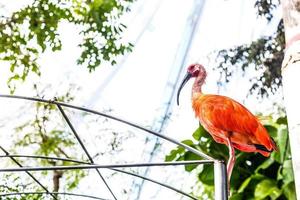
(191, 156)
(289, 191)
(287, 172)
(207, 175)
(200, 132)
(267, 188)
(283, 143)
(272, 130)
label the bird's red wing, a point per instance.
(222, 115)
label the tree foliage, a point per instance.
(32, 30)
(264, 54)
(254, 176)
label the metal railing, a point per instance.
(220, 180)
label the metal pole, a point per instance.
(220, 178)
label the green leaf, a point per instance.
(188, 142)
(289, 191)
(207, 175)
(265, 188)
(267, 163)
(282, 120)
(174, 154)
(287, 172)
(236, 196)
(271, 130)
(244, 185)
(191, 156)
(197, 134)
(96, 4)
(200, 132)
(283, 143)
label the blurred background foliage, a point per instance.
(264, 54)
(32, 30)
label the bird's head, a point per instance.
(194, 70)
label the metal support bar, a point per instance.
(51, 193)
(92, 166)
(195, 151)
(87, 163)
(43, 157)
(29, 174)
(84, 148)
(220, 178)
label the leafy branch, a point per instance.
(30, 31)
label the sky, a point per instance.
(139, 88)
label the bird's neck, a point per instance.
(197, 86)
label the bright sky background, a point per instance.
(138, 88)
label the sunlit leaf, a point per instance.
(287, 172)
(244, 185)
(174, 154)
(289, 191)
(283, 143)
(188, 142)
(267, 188)
(265, 164)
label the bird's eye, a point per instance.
(191, 68)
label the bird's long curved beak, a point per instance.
(184, 81)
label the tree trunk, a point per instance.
(56, 176)
(291, 80)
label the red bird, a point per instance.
(227, 121)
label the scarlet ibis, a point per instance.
(227, 121)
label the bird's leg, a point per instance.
(231, 162)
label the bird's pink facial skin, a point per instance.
(196, 69)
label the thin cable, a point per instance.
(37, 181)
(84, 148)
